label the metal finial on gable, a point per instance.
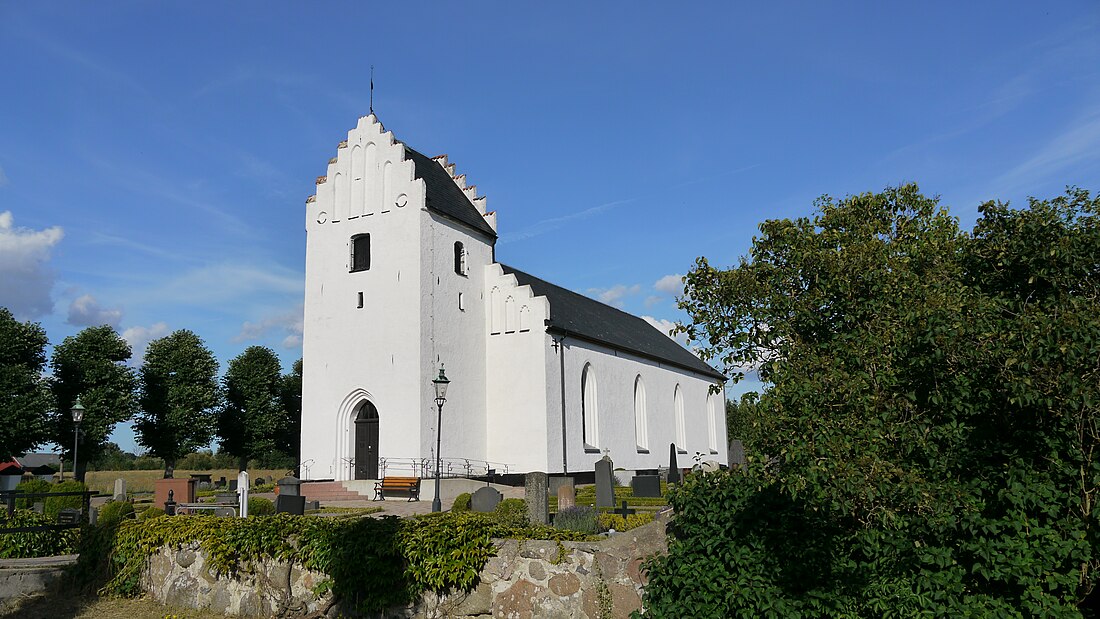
(372, 89)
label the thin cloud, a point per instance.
(670, 284)
(139, 337)
(85, 311)
(289, 323)
(615, 294)
(24, 268)
(549, 225)
(1078, 143)
(666, 327)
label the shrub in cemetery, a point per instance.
(511, 512)
(151, 512)
(32, 486)
(580, 519)
(34, 543)
(259, 506)
(928, 443)
(462, 503)
(115, 511)
(609, 521)
(54, 505)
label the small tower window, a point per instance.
(460, 258)
(360, 252)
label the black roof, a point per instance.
(578, 315)
(444, 196)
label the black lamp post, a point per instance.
(440, 397)
(78, 416)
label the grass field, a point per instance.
(142, 481)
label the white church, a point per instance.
(402, 278)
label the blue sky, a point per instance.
(155, 157)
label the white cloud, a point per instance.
(139, 338)
(666, 326)
(27, 278)
(289, 323)
(652, 300)
(85, 311)
(670, 284)
(3, 177)
(615, 294)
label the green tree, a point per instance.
(252, 420)
(91, 365)
(26, 397)
(179, 397)
(927, 440)
(291, 398)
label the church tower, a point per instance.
(396, 250)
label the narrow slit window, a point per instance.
(460, 258)
(360, 252)
(360, 305)
(461, 303)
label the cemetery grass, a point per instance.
(586, 496)
(142, 481)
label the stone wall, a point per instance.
(589, 580)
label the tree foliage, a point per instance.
(91, 365)
(927, 443)
(179, 395)
(26, 397)
(290, 393)
(252, 420)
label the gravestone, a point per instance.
(485, 499)
(242, 488)
(289, 486)
(233, 485)
(314, 505)
(290, 504)
(736, 454)
(605, 488)
(557, 482)
(566, 497)
(673, 468)
(624, 511)
(646, 485)
(538, 507)
(221, 482)
(259, 481)
(38, 507)
(120, 489)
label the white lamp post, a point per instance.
(78, 416)
(440, 397)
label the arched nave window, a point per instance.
(590, 427)
(681, 434)
(641, 423)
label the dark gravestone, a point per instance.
(68, 515)
(673, 468)
(646, 485)
(233, 485)
(605, 489)
(259, 481)
(624, 511)
(221, 482)
(485, 499)
(314, 505)
(290, 504)
(736, 454)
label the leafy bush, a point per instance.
(151, 512)
(462, 503)
(511, 512)
(54, 505)
(115, 511)
(34, 486)
(617, 522)
(580, 519)
(34, 543)
(259, 506)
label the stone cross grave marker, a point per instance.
(605, 489)
(566, 497)
(673, 468)
(485, 499)
(535, 493)
(646, 485)
(120, 489)
(624, 511)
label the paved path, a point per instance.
(448, 491)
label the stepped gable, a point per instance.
(443, 193)
(578, 315)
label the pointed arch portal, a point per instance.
(366, 442)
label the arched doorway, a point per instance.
(366, 442)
